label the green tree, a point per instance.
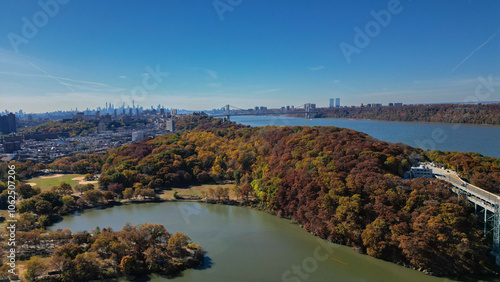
(62, 189)
(177, 244)
(34, 268)
(26, 191)
(92, 196)
(43, 207)
(88, 266)
(81, 188)
(128, 193)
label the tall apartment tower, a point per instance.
(170, 125)
(331, 102)
(337, 103)
(8, 123)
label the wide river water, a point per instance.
(434, 136)
(246, 245)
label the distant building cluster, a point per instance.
(115, 127)
(372, 105)
(48, 147)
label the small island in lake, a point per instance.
(102, 254)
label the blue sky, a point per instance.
(245, 53)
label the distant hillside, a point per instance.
(445, 113)
(74, 128)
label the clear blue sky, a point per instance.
(257, 52)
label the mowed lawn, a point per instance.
(194, 190)
(47, 181)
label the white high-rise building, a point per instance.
(137, 136)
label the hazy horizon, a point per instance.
(61, 54)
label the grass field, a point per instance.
(192, 191)
(47, 181)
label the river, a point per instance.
(433, 136)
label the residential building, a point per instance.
(8, 123)
(421, 171)
(171, 125)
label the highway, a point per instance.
(453, 178)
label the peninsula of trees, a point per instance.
(83, 256)
(339, 184)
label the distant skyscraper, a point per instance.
(337, 102)
(331, 102)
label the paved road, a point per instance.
(453, 178)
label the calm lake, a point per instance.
(434, 136)
(246, 245)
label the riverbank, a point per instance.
(428, 136)
(253, 205)
(474, 114)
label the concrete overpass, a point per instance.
(486, 204)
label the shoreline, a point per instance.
(397, 121)
(291, 220)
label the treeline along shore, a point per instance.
(338, 184)
(485, 114)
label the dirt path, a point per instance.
(81, 181)
(52, 176)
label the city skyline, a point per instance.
(199, 56)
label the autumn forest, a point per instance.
(339, 184)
